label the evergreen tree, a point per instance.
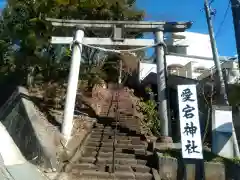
(24, 33)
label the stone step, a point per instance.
(130, 140)
(119, 149)
(126, 124)
(91, 174)
(143, 176)
(79, 167)
(122, 137)
(87, 160)
(108, 160)
(107, 132)
(125, 141)
(120, 168)
(129, 150)
(92, 178)
(94, 175)
(93, 143)
(141, 168)
(110, 133)
(124, 146)
(102, 129)
(97, 130)
(131, 168)
(108, 154)
(117, 155)
(89, 149)
(122, 161)
(134, 140)
(123, 150)
(98, 125)
(95, 136)
(122, 120)
(109, 143)
(92, 152)
(89, 153)
(110, 136)
(121, 123)
(98, 139)
(124, 175)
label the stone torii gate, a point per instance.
(118, 27)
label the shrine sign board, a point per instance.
(189, 122)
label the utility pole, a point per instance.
(236, 21)
(223, 93)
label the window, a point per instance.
(177, 49)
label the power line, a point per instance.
(224, 18)
(212, 1)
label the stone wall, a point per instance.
(32, 133)
(170, 168)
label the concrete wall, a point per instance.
(12, 162)
(170, 168)
(9, 153)
(32, 133)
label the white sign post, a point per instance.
(189, 122)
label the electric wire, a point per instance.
(224, 19)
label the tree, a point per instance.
(23, 24)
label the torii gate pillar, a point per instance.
(72, 84)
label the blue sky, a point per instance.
(189, 10)
(192, 10)
(2, 3)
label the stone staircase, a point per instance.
(132, 160)
(128, 117)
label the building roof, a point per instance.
(221, 58)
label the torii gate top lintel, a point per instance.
(141, 26)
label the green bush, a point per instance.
(151, 120)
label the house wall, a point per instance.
(189, 65)
(197, 44)
(146, 68)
